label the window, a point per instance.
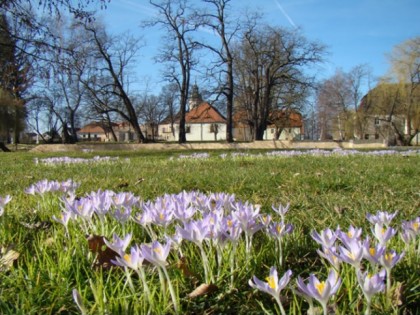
(272, 130)
(376, 136)
(377, 121)
(187, 129)
(366, 136)
(214, 128)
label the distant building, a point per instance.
(282, 125)
(203, 122)
(103, 132)
(389, 113)
(95, 131)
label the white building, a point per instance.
(203, 122)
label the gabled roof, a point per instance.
(95, 127)
(200, 114)
(286, 118)
(204, 113)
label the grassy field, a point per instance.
(43, 261)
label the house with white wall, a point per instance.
(203, 122)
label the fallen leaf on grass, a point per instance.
(182, 265)
(203, 289)
(140, 180)
(8, 258)
(41, 225)
(123, 185)
(397, 297)
(104, 254)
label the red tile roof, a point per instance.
(95, 127)
(203, 113)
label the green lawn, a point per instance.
(323, 191)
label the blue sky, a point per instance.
(355, 32)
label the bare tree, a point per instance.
(334, 101)
(168, 97)
(271, 64)
(359, 78)
(405, 71)
(154, 111)
(108, 77)
(217, 18)
(394, 103)
(177, 18)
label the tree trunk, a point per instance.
(3, 147)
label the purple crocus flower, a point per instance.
(326, 238)
(320, 290)
(144, 218)
(82, 207)
(194, 231)
(231, 229)
(125, 200)
(381, 217)
(390, 258)
(331, 255)
(351, 252)
(122, 215)
(134, 260)
(40, 187)
(351, 235)
(279, 229)
(156, 253)
(372, 254)
(245, 213)
(371, 284)
(3, 202)
(64, 218)
(183, 213)
(265, 220)
(118, 244)
(69, 186)
(410, 230)
(161, 212)
(383, 235)
(273, 286)
(281, 210)
(101, 201)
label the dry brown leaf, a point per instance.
(203, 289)
(7, 260)
(49, 241)
(41, 225)
(123, 185)
(182, 265)
(340, 210)
(140, 180)
(397, 297)
(104, 254)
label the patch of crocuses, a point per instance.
(69, 160)
(294, 153)
(216, 224)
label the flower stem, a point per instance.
(282, 311)
(280, 253)
(367, 311)
(146, 289)
(162, 284)
(232, 264)
(171, 290)
(207, 274)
